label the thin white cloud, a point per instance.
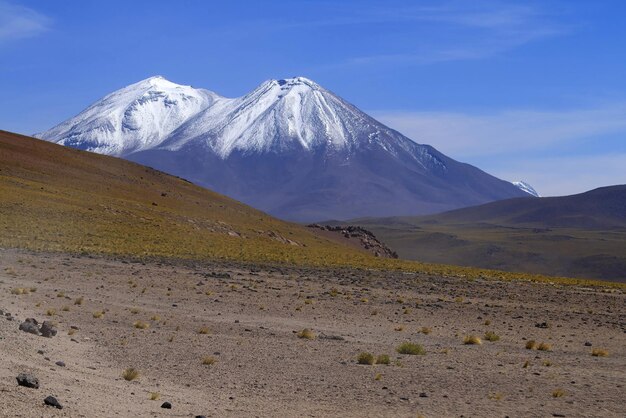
(17, 22)
(456, 31)
(557, 176)
(469, 135)
(506, 144)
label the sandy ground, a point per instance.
(261, 366)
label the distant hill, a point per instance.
(604, 207)
(582, 235)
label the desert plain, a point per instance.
(226, 339)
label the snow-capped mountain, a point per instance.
(522, 185)
(135, 118)
(290, 147)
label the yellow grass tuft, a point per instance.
(306, 334)
(472, 340)
(491, 336)
(208, 360)
(544, 347)
(599, 352)
(365, 358)
(411, 349)
(141, 325)
(130, 374)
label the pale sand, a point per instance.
(263, 369)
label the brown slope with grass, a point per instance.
(54, 198)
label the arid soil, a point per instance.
(261, 367)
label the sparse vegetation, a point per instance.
(544, 347)
(130, 374)
(491, 336)
(531, 345)
(208, 360)
(79, 301)
(383, 359)
(306, 334)
(365, 358)
(141, 325)
(410, 348)
(472, 340)
(426, 330)
(558, 393)
(599, 352)
(98, 314)
(203, 330)
(51, 312)
(154, 396)
(134, 311)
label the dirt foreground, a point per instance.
(166, 318)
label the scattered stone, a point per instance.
(48, 330)
(27, 380)
(331, 337)
(423, 395)
(30, 326)
(166, 405)
(52, 401)
(542, 325)
(588, 344)
(60, 363)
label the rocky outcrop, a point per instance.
(366, 239)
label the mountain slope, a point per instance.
(59, 199)
(136, 117)
(298, 151)
(582, 235)
(522, 185)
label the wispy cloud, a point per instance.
(17, 22)
(468, 135)
(557, 176)
(558, 152)
(455, 31)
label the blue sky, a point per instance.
(522, 89)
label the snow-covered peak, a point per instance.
(526, 188)
(137, 117)
(276, 116)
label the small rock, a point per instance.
(52, 401)
(423, 395)
(28, 380)
(60, 363)
(30, 327)
(166, 405)
(588, 344)
(200, 416)
(48, 330)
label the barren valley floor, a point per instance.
(165, 318)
